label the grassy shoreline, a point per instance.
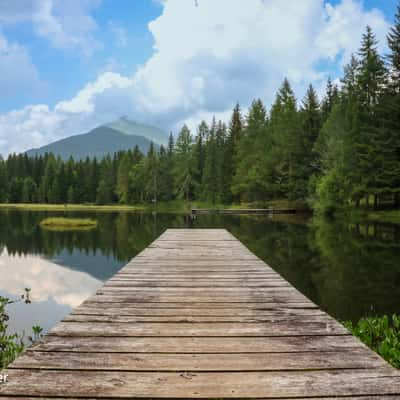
(183, 207)
(68, 207)
(389, 216)
(179, 207)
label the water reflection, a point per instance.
(349, 270)
(55, 290)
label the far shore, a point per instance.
(184, 207)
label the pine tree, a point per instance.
(199, 155)
(123, 179)
(152, 175)
(329, 100)
(371, 82)
(371, 71)
(210, 176)
(165, 181)
(48, 180)
(394, 56)
(3, 181)
(231, 152)
(250, 177)
(29, 191)
(311, 123)
(287, 136)
(105, 190)
(184, 168)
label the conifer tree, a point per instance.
(210, 177)
(231, 151)
(394, 55)
(184, 169)
(199, 155)
(123, 179)
(3, 181)
(152, 174)
(287, 136)
(249, 180)
(366, 144)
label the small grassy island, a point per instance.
(61, 223)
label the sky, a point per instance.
(67, 66)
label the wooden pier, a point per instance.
(242, 211)
(197, 315)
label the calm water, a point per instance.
(348, 270)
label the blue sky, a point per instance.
(67, 65)
(64, 71)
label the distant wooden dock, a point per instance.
(239, 211)
(197, 315)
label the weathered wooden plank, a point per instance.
(120, 318)
(194, 284)
(388, 397)
(107, 301)
(141, 275)
(168, 298)
(128, 309)
(354, 359)
(220, 345)
(281, 384)
(286, 292)
(279, 328)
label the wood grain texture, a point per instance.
(280, 384)
(196, 315)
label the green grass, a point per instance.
(381, 334)
(176, 207)
(58, 223)
(390, 216)
(71, 207)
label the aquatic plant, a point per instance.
(59, 223)
(381, 334)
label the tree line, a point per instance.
(342, 151)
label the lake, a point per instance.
(349, 270)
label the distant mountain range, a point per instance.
(122, 134)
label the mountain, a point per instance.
(125, 125)
(122, 134)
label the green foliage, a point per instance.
(381, 334)
(185, 166)
(10, 345)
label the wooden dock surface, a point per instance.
(240, 211)
(197, 315)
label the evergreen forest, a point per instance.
(338, 152)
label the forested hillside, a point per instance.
(340, 151)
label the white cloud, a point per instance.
(65, 24)
(17, 72)
(208, 57)
(83, 101)
(61, 284)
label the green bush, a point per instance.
(381, 334)
(10, 345)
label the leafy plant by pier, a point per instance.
(381, 334)
(10, 345)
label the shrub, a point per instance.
(381, 334)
